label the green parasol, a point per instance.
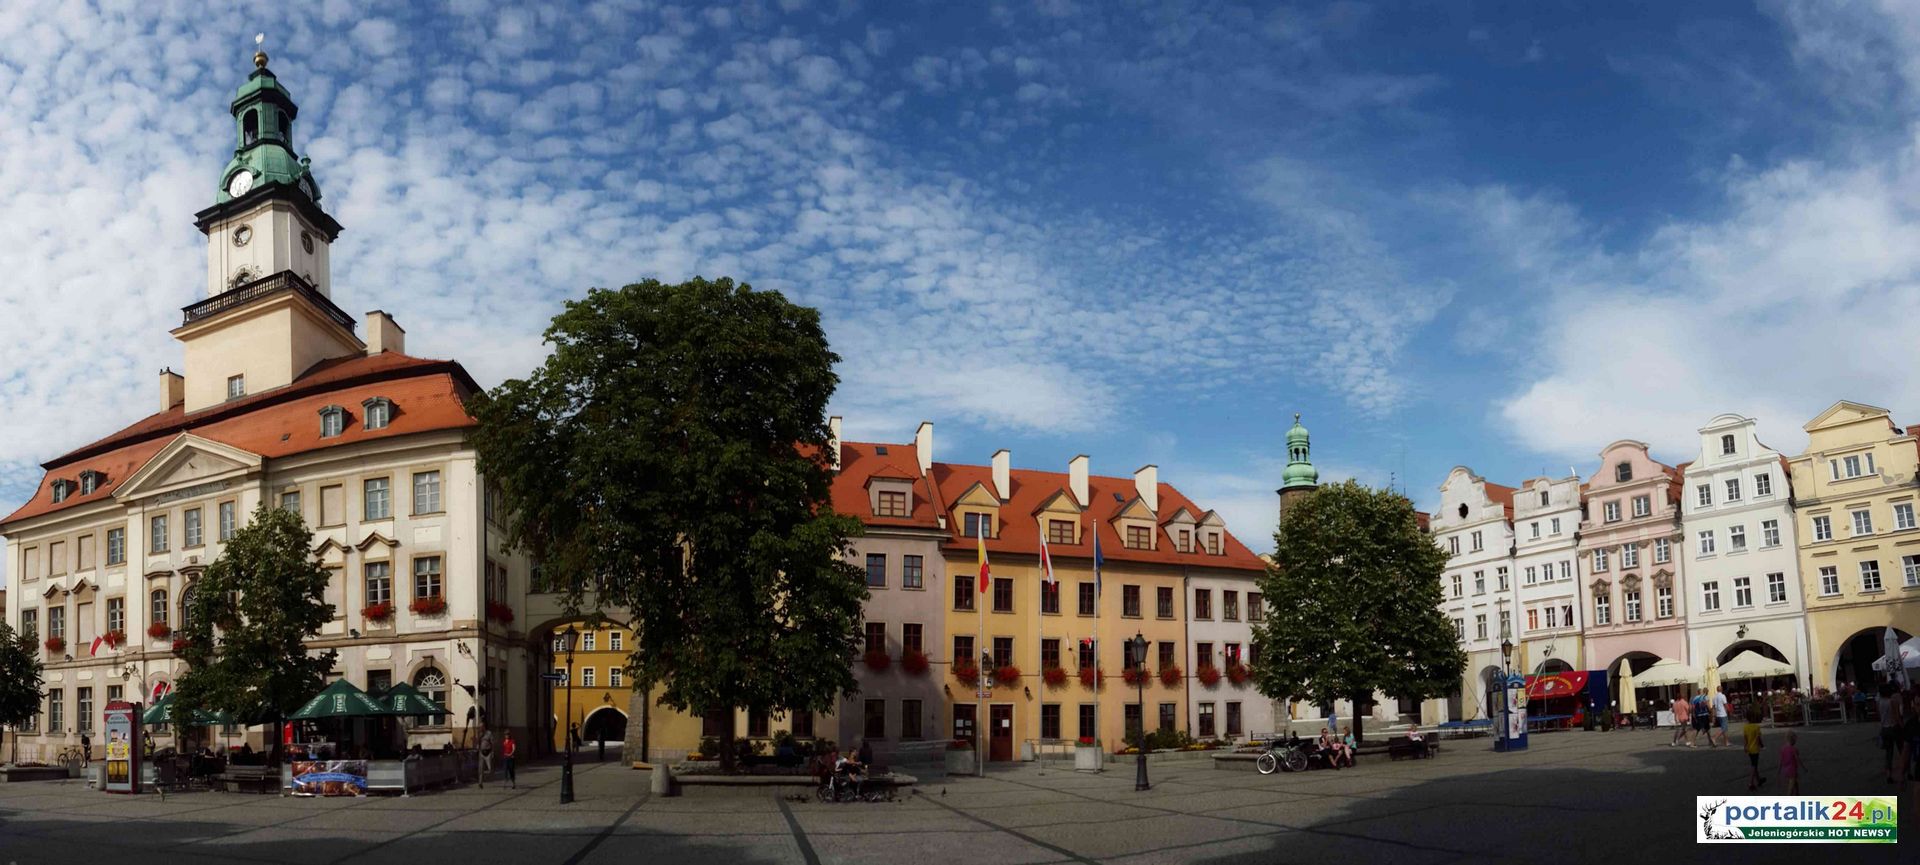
(340, 700)
(404, 700)
(162, 713)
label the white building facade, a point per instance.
(1474, 525)
(1547, 573)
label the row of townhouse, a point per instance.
(1805, 559)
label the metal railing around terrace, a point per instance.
(265, 286)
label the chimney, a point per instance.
(1003, 474)
(923, 445)
(1146, 482)
(1077, 479)
(833, 440)
(383, 334)
(173, 389)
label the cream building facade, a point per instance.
(1547, 571)
(1475, 526)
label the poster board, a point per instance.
(330, 778)
(123, 729)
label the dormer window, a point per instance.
(379, 411)
(333, 421)
(236, 386)
(891, 503)
(89, 481)
(1213, 543)
(61, 489)
(1623, 472)
(978, 525)
(1183, 541)
(1140, 537)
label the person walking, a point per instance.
(1719, 715)
(1889, 707)
(1702, 719)
(1790, 763)
(86, 749)
(1751, 731)
(506, 758)
(1681, 723)
(486, 756)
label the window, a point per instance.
(57, 710)
(1703, 495)
(1163, 602)
(1710, 596)
(1168, 714)
(236, 386)
(876, 638)
(1662, 551)
(57, 622)
(877, 570)
(1903, 516)
(1862, 523)
(1183, 541)
(376, 502)
(1086, 599)
(1534, 528)
(157, 606)
(1532, 574)
(1459, 630)
(1087, 654)
(893, 503)
(963, 593)
(1763, 484)
(1869, 576)
(1852, 464)
(1612, 511)
(1229, 605)
(1829, 581)
(1479, 582)
(116, 614)
(876, 719)
(378, 412)
(1630, 556)
(1733, 489)
(1742, 592)
(1139, 537)
(979, 525)
(1663, 601)
(1630, 599)
(1203, 603)
(426, 492)
(1453, 545)
(1233, 720)
(1602, 609)
(1049, 597)
(1770, 533)
(1456, 585)
(1706, 542)
(1501, 573)
(1911, 564)
(1206, 720)
(1553, 617)
(379, 582)
(1566, 570)
(426, 577)
(195, 533)
(615, 677)
(587, 677)
(1480, 626)
(1506, 624)
(226, 516)
(1642, 506)
(1726, 445)
(1059, 531)
(333, 421)
(1737, 538)
(1002, 652)
(1622, 472)
(1822, 528)
(1002, 594)
(713, 723)
(290, 502)
(1256, 612)
(1533, 620)
(616, 640)
(1133, 720)
(1213, 543)
(1599, 561)
(30, 623)
(1477, 546)
(1546, 498)
(1050, 720)
(913, 572)
(1776, 588)
(1203, 654)
(911, 726)
(116, 546)
(963, 649)
(89, 481)
(1555, 525)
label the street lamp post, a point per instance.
(566, 768)
(1138, 648)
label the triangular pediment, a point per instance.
(978, 496)
(1061, 502)
(1182, 516)
(1845, 412)
(188, 464)
(371, 539)
(1135, 509)
(1212, 518)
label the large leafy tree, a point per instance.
(668, 459)
(248, 621)
(1354, 590)
(20, 692)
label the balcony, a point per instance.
(267, 286)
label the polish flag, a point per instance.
(99, 641)
(1046, 563)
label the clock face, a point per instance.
(241, 184)
(242, 234)
(306, 242)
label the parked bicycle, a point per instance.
(70, 757)
(1290, 754)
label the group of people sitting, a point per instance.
(1334, 751)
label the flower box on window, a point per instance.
(500, 611)
(1133, 675)
(431, 605)
(381, 612)
(1090, 677)
(56, 644)
(1209, 675)
(1238, 674)
(180, 644)
(159, 630)
(878, 661)
(966, 673)
(914, 661)
(1008, 675)
(116, 638)
(1170, 675)
(1055, 677)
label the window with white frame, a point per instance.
(588, 640)
(1477, 546)
(1870, 576)
(1599, 560)
(1642, 506)
(1733, 489)
(1706, 542)
(1737, 537)
(1506, 624)
(586, 677)
(376, 502)
(378, 412)
(1710, 596)
(1554, 526)
(1611, 510)
(1456, 585)
(1770, 533)
(1602, 610)
(1566, 570)
(1531, 572)
(227, 518)
(1630, 556)
(195, 533)
(1460, 630)
(1727, 447)
(1535, 528)
(333, 421)
(1776, 588)
(1742, 592)
(1703, 495)
(1903, 516)
(1662, 551)
(1622, 472)
(1479, 582)
(615, 677)
(1453, 545)
(616, 642)
(157, 533)
(1553, 617)
(1829, 581)
(1630, 603)
(1822, 528)
(1533, 620)
(1862, 523)
(1911, 564)
(1480, 626)
(426, 492)
(1501, 574)
(1663, 601)
(1763, 484)
(236, 386)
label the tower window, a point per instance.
(250, 128)
(285, 127)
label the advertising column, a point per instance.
(123, 747)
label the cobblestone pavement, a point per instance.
(1574, 797)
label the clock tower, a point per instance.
(268, 315)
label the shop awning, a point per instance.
(1753, 665)
(1668, 672)
(1555, 685)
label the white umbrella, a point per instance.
(1909, 653)
(1890, 642)
(1753, 665)
(1667, 672)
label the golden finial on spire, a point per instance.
(259, 52)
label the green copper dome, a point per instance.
(1300, 473)
(263, 113)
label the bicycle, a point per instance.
(71, 757)
(1290, 756)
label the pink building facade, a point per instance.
(1633, 594)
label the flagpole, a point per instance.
(980, 713)
(1099, 681)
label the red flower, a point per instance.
(500, 611)
(1238, 673)
(380, 612)
(116, 637)
(1209, 675)
(180, 644)
(1091, 676)
(159, 630)
(966, 673)
(431, 605)
(960, 745)
(1170, 675)
(1054, 676)
(1086, 740)
(1134, 675)
(1008, 675)
(877, 661)
(914, 661)
(56, 644)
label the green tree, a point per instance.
(1354, 591)
(668, 459)
(20, 692)
(247, 622)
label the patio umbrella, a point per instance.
(1713, 677)
(162, 713)
(1753, 665)
(340, 700)
(1890, 642)
(1628, 705)
(404, 700)
(1669, 672)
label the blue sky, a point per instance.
(1493, 234)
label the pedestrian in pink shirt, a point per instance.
(1681, 718)
(1790, 763)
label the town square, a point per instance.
(808, 432)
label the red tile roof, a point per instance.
(426, 394)
(1503, 495)
(861, 462)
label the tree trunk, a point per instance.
(726, 745)
(1359, 712)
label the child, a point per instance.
(1790, 763)
(1752, 731)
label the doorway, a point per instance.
(1001, 748)
(963, 717)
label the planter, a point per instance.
(1133, 675)
(56, 645)
(116, 638)
(1170, 675)
(159, 630)
(499, 611)
(428, 606)
(180, 644)
(1086, 758)
(960, 762)
(1055, 677)
(1238, 674)
(914, 662)
(1209, 675)
(379, 613)
(966, 674)
(1090, 677)
(878, 661)
(1008, 675)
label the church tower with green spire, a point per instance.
(1300, 477)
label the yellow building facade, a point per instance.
(1855, 491)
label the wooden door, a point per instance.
(1001, 718)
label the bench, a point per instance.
(248, 779)
(1467, 728)
(1401, 746)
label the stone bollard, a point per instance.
(662, 780)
